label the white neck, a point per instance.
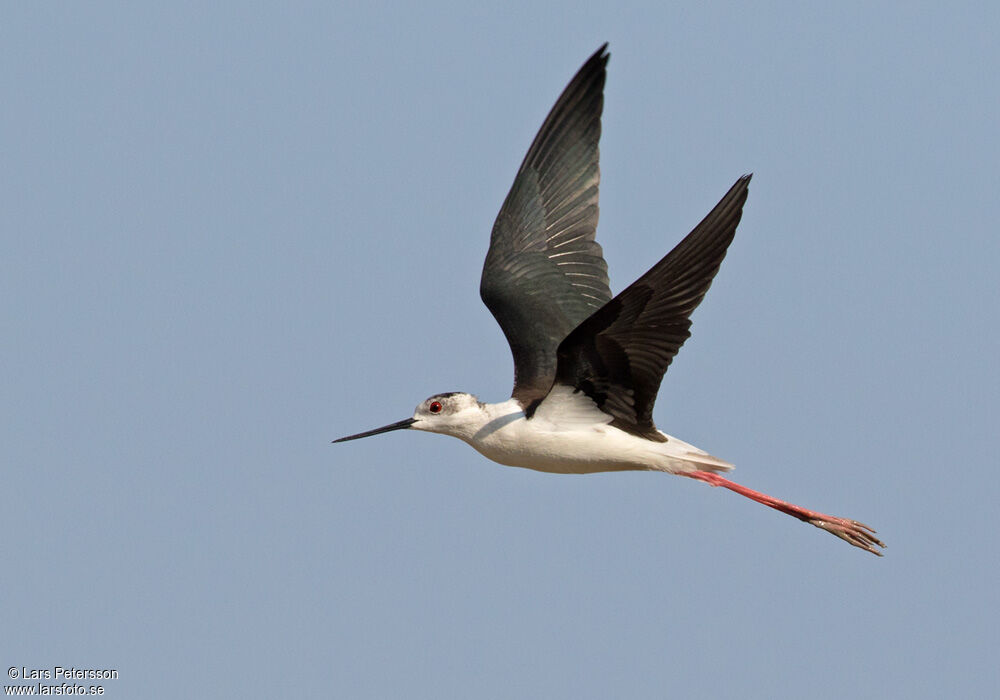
(474, 426)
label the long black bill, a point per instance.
(384, 429)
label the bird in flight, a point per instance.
(588, 366)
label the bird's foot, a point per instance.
(851, 531)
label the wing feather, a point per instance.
(618, 355)
(544, 272)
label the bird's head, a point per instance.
(453, 413)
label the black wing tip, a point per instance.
(738, 191)
(597, 63)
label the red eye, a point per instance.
(435, 407)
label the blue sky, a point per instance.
(232, 233)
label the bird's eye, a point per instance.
(435, 407)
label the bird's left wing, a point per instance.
(618, 356)
(544, 272)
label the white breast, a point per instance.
(568, 434)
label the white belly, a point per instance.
(533, 444)
(569, 434)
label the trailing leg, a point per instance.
(851, 531)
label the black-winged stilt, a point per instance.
(587, 367)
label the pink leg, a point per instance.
(858, 534)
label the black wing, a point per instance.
(618, 356)
(544, 273)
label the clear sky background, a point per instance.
(234, 232)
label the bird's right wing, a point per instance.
(544, 272)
